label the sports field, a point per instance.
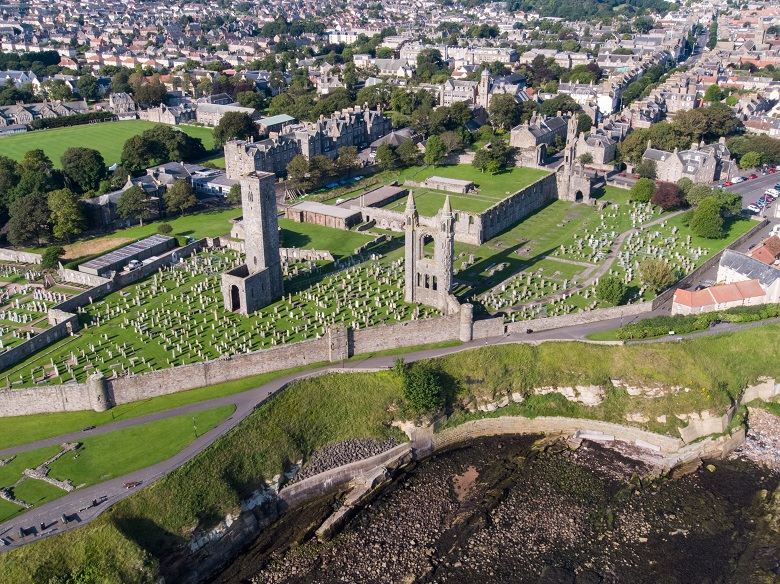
(108, 138)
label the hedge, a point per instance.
(685, 324)
(74, 120)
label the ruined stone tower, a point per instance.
(258, 282)
(429, 270)
(573, 183)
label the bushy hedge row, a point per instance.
(75, 120)
(684, 324)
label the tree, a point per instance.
(646, 169)
(234, 194)
(697, 193)
(321, 167)
(234, 126)
(482, 159)
(713, 94)
(503, 111)
(610, 289)
(9, 178)
(386, 157)
(656, 274)
(643, 190)
(668, 196)
(586, 158)
(730, 203)
(151, 94)
(750, 160)
(134, 204)
(50, 258)
(88, 87)
(584, 123)
(137, 153)
(347, 159)
(164, 228)
(435, 150)
(685, 184)
(29, 219)
(180, 196)
(251, 99)
(429, 63)
(422, 388)
(561, 103)
(452, 141)
(409, 154)
(707, 220)
(84, 168)
(67, 216)
(298, 169)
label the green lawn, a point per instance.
(309, 236)
(497, 187)
(106, 456)
(198, 225)
(108, 138)
(118, 453)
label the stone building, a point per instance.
(600, 145)
(429, 273)
(211, 113)
(702, 163)
(122, 105)
(258, 282)
(321, 214)
(532, 138)
(350, 127)
(172, 115)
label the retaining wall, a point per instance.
(405, 334)
(21, 257)
(327, 481)
(45, 399)
(577, 318)
(38, 342)
(81, 278)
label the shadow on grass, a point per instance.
(293, 239)
(149, 536)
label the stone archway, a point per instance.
(578, 197)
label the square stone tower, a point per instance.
(258, 282)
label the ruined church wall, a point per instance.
(509, 211)
(38, 342)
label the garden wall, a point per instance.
(38, 342)
(405, 334)
(45, 399)
(22, 257)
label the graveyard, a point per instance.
(25, 301)
(176, 317)
(36, 477)
(549, 263)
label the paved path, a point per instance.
(84, 505)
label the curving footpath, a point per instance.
(78, 506)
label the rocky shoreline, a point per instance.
(342, 453)
(762, 443)
(501, 510)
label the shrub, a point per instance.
(164, 228)
(610, 289)
(51, 256)
(657, 275)
(181, 240)
(423, 388)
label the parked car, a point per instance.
(132, 265)
(753, 209)
(751, 246)
(87, 428)
(728, 183)
(752, 176)
(132, 484)
(720, 186)
(772, 170)
(777, 186)
(738, 179)
(770, 198)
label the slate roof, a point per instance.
(751, 268)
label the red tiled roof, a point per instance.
(719, 294)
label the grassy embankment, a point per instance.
(127, 543)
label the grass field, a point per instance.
(491, 188)
(309, 236)
(108, 138)
(143, 529)
(106, 456)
